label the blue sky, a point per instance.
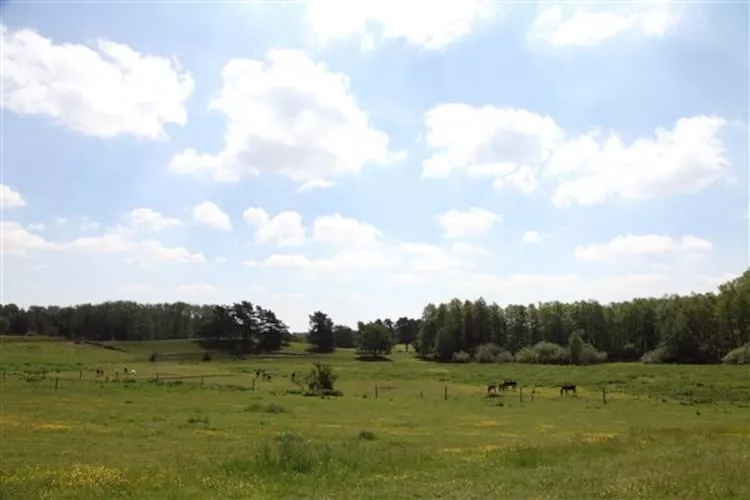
(367, 160)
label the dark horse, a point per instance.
(567, 389)
(509, 383)
(491, 388)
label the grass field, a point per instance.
(665, 431)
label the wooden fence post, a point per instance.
(604, 395)
(376, 391)
(446, 392)
(57, 381)
(80, 375)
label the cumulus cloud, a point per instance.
(147, 219)
(209, 214)
(518, 146)
(292, 116)
(344, 231)
(472, 223)
(285, 228)
(10, 198)
(102, 91)
(18, 241)
(588, 25)
(422, 23)
(629, 246)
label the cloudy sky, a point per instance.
(365, 158)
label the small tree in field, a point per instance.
(320, 334)
(374, 340)
(575, 346)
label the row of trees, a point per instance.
(242, 326)
(698, 328)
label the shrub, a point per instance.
(492, 353)
(367, 435)
(658, 355)
(461, 357)
(526, 355)
(269, 408)
(206, 357)
(739, 356)
(590, 356)
(321, 377)
(544, 353)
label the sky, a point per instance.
(367, 158)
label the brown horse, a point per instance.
(567, 389)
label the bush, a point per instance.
(206, 357)
(544, 353)
(461, 357)
(321, 378)
(739, 356)
(658, 355)
(492, 353)
(590, 356)
(526, 355)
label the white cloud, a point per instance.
(285, 228)
(220, 259)
(61, 221)
(423, 23)
(89, 224)
(347, 260)
(37, 228)
(515, 146)
(288, 115)
(313, 184)
(344, 231)
(531, 237)
(472, 223)
(17, 241)
(210, 214)
(631, 246)
(10, 198)
(147, 219)
(104, 92)
(582, 26)
(196, 289)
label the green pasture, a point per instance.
(665, 431)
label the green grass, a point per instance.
(181, 439)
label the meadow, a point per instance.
(665, 431)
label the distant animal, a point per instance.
(509, 383)
(99, 372)
(491, 388)
(294, 376)
(267, 377)
(132, 373)
(567, 389)
(125, 371)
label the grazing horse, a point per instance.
(567, 389)
(99, 372)
(509, 383)
(492, 388)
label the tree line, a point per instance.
(695, 328)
